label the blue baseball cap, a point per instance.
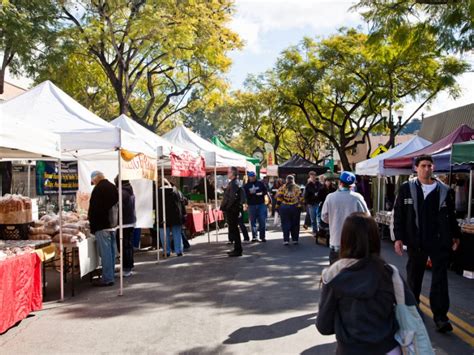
(347, 177)
(251, 174)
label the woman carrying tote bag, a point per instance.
(358, 298)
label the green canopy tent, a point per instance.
(463, 153)
(220, 143)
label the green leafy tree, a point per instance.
(450, 21)
(154, 53)
(28, 31)
(342, 83)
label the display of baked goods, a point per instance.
(15, 209)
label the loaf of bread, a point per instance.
(15, 209)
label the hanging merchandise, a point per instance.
(187, 165)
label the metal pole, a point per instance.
(61, 246)
(469, 206)
(378, 193)
(215, 197)
(157, 209)
(207, 208)
(165, 234)
(29, 179)
(120, 220)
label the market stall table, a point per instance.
(195, 222)
(20, 292)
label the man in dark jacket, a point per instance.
(128, 219)
(231, 205)
(424, 221)
(255, 192)
(103, 220)
(311, 200)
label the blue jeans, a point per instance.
(290, 222)
(314, 214)
(106, 245)
(258, 213)
(177, 239)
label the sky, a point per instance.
(270, 26)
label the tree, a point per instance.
(450, 21)
(27, 32)
(154, 53)
(342, 83)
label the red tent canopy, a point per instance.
(462, 134)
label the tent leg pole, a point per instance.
(378, 193)
(29, 179)
(120, 220)
(469, 206)
(215, 197)
(208, 209)
(157, 211)
(61, 245)
(165, 232)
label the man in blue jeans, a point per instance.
(311, 199)
(103, 216)
(255, 192)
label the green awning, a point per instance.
(463, 153)
(217, 141)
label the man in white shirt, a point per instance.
(337, 207)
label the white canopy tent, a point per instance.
(18, 142)
(84, 135)
(215, 156)
(163, 150)
(374, 166)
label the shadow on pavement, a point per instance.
(272, 331)
(323, 349)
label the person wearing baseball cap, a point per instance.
(102, 217)
(255, 192)
(337, 207)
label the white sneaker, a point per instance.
(127, 273)
(286, 243)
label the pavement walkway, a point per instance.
(265, 302)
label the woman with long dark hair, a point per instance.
(357, 300)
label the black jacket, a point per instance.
(128, 204)
(174, 206)
(104, 196)
(357, 304)
(311, 192)
(418, 228)
(233, 199)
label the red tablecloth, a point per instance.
(20, 289)
(195, 222)
(212, 215)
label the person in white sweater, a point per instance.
(337, 207)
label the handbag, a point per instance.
(411, 335)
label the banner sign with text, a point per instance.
(47, 177)
(137, 166)
(186, 165)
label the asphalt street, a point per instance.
(265, 302)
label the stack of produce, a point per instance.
(12, 252)
(15, 209)
(75, 228)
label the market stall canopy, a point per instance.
(221, 144)
(21, 142)
(463, 153)
(49, 108)
(299, 165)
(462, 134)
(442, 163)
(152, 139)
(214, 156)
(374, 166)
